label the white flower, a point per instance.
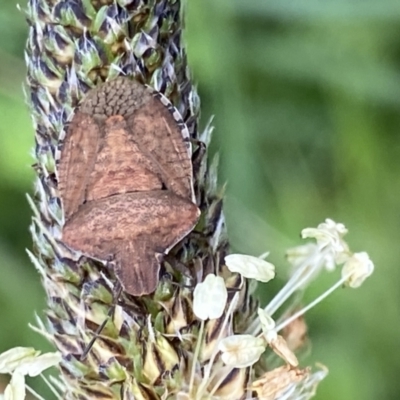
(356, 269)
(11, 359)
(27, 361)
(21, 361)
(328, 233)
(241, 351)
(280, 347)
(329, 237)
(38, 364)
(15, 390)
(250, 267)
(266, 322)
(281, 383)
(209, 298)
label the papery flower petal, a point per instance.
(329, 237)
(209, 298)
(270, 336)
(11, 359)
(35, 366)
(250, 267)
(281, 348)
(275, 383)
(357, 268)
(266, 322)
(15, 390)
(330, 224)
(241, 351)
(328, 233)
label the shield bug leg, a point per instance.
(116, 294)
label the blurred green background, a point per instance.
(306, 98)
